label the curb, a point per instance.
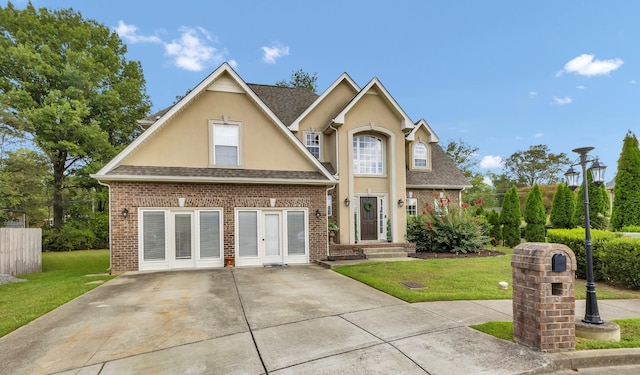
(576, 360)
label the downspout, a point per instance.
(460, 197)
(327, 223)
(110, 226)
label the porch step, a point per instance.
(384, 252)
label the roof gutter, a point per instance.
(208, 180)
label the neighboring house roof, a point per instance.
(286, 102)
(443, 175)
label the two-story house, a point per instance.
(247, 175)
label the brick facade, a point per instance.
(134, 195)
(543, 299)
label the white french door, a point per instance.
(271, 237)
(182, 241)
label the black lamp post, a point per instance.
(597, 169)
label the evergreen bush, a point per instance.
(575, 240)
(510, 218)
(621, 262)
(534, 216)
(626, 198)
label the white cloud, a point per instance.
(487, 181)
(130, 34)
(538, 135)
(491, 161)
(274, 52)
(533, 94)
(580, 87)
(191, 52)
(561, 101)
(633, 82)
(586, 65)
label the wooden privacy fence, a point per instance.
(20, 251)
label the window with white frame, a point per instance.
(210, 238)
(153, 235)
(225, 143)
(412, 206)
(312, 142)
(368, 155)
(420, 155)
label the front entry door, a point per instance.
(368, 218)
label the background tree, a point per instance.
(501, 185)
(495, 231)
(24, 186)
(465, 157)
(534, 216)
(598, 212)
(562, 208)
(301, 79)
(67, 80)
(535, 165)
(510, 218)
(626, 192)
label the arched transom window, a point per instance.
(368, 155)
(420, 155)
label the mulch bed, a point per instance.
(430, 255)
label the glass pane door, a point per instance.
(183, 235)
(272, 238)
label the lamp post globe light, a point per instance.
(597, 169)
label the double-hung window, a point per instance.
(367, 155)
(312, 142)
(420, 155)
(225, 143)
(412, 206)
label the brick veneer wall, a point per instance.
(133, 195)
(543, 316)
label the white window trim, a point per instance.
(412, 202)
(304, 135)
(413, 158)
(169, 261)
(212, 161)
(384, 156)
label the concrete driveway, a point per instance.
(281, 320)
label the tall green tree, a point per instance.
(464, 155)
(24, 186)
(535, 165)
(562, 208)
(534, 216)
(301, 79)
(626, 192)
(598, 214)
(510, 218)
(495, 231)
(67, 79)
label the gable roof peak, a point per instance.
(433, 137)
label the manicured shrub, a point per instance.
(631, 228)
(534, 216)
(562, 208)
(510, 218)
(626, 198)
(453, 230)
(621, 262)
(495, 230)
(598, 212)
(575, 240)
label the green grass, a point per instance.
(629, 334)
(62, 279)
(454, 279)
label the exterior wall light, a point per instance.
(347, 202)
(318, 213)
(125, 212)
(400, 202)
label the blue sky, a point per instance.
(499, 75)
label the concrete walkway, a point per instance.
(289, 320)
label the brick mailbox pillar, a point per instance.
(543, 296)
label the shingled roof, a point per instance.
(444, 173)
(286, 102)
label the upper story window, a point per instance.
(420, 155)
(225, 141)
(367, 155)
(312, 142)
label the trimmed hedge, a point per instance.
(621, 262)
(575, 240)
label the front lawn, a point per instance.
(63, 278)
(629, 334)
(454, 279)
